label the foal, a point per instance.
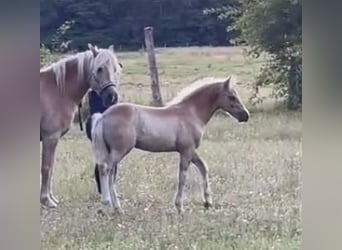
(178, 127)
(95, 106)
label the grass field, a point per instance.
(255, 173)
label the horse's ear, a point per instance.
(226, 83)
(93, 49)
(111, 48)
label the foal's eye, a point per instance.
(232, 98)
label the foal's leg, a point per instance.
(185, 158)
(48, 158)
(97, 178)
(203, 168)
(112, 186)
(104, 172)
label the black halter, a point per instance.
(103, 86)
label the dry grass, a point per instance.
(254, 172)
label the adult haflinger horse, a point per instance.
(62, 87)
(177, 127)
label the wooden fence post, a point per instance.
(157, 98)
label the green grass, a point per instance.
(180, 66)
(254, 173)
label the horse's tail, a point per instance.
(99, 145)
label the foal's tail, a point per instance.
(99, 146)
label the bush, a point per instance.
(274, 27)
(45, 56)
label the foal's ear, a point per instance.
(93, 49)
(226, 83)
(111, 48)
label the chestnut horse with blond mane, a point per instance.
(62, 87)
(176, 127)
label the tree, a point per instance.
(122, 22)
(273, 27)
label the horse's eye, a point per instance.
(99, 70)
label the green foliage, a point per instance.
(121, 22)
(58, 45)
(45, 56)
(59, 42)
(273, 27)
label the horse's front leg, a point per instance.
(49, 145)
(203, 168)
(185, 158)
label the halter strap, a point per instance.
(105, 86)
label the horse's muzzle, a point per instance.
(109, 96)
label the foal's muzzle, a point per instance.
(109, 96)
(243, 116)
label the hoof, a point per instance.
(207, 205)
(48, 202)
(118, 211)
(105, 203)
(180, 210)
(54, 198)
(102, 212)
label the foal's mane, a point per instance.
(194, 88)
(85, 63)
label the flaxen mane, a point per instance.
(85, 64)
(193, 88)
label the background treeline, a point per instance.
(121, 22)
(272, 27)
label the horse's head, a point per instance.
(105, 75)
(230, 101)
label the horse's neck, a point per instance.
(76, 87)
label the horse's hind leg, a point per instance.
(203, 168)
(48, 158)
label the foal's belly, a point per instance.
(156, 144)
(157, 140)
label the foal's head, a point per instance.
(230, 101)
(105, 75)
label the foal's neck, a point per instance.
(204, 104)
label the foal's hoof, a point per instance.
(207, 205)
(118, 210)
(53, 198)
(180, 210)
(48, 202)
